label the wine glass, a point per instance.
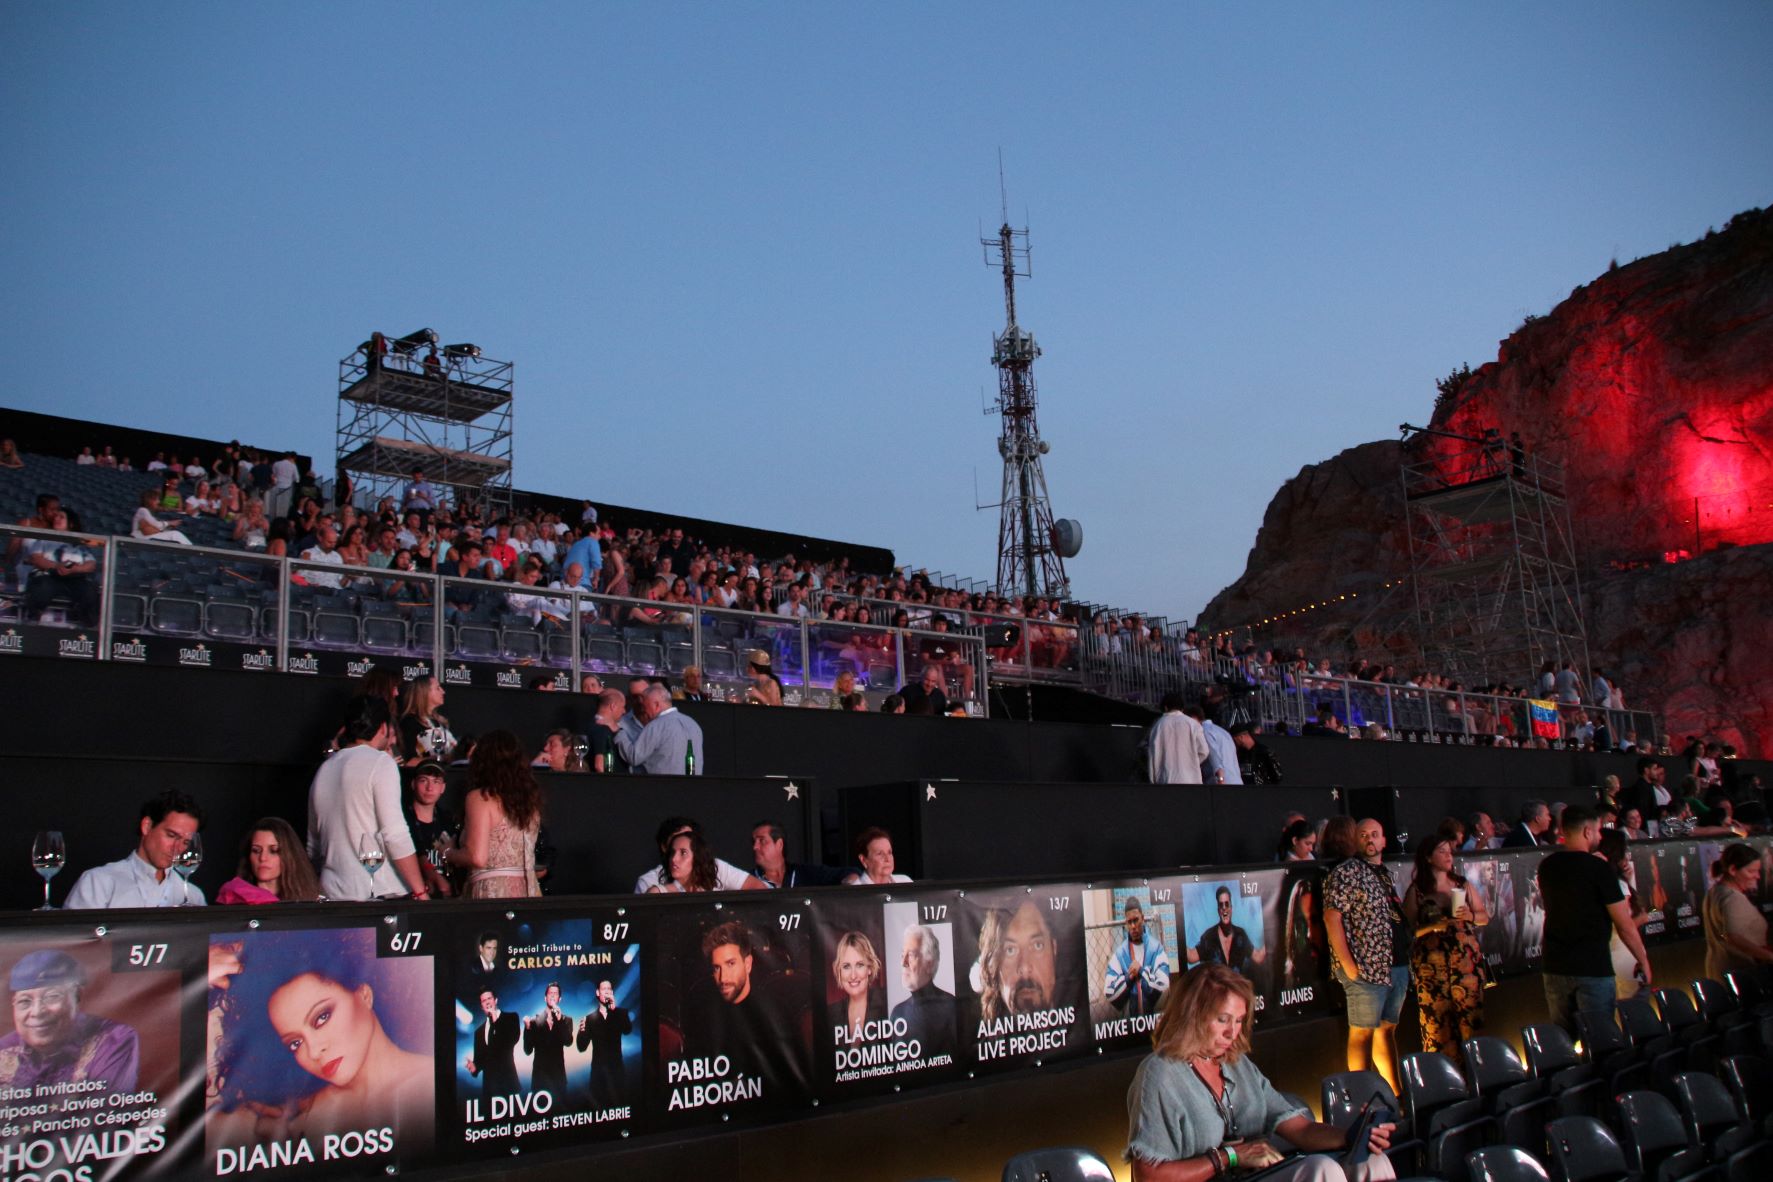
(187, 862)
(48, 856)
(370, 855)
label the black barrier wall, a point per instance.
(79, 709)
(355, 1041)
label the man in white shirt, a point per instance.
(146, 878)
(1175, 747)
(324, 549)
(356, 795)
(284, 475)
(1221, 767)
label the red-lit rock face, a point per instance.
(1653, 385)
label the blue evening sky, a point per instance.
(732, 246)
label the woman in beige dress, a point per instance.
(502, 814)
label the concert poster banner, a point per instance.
(1024, 999)
(1481, 883)
(735, 1017)
(1132, 951)
(318, 1052)
(1224, 921)
(544, 1021)
(1298, 942)
(1667, 873)
(1529, 947)
(884, 1006)
(90, 1053)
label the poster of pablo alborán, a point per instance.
(545, 1028)
(735, 1016)
(90, 1052)
(885, 1010)
(1020, 975)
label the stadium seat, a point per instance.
(1504, 1163)
(679, 656)
(1345, 1093)
(129, 613)
(1719, 1006)
(1751, 995)
(1057, 1165)
(1651, 1038)
(521, 644)
(1508, 1092)
(719, 662)
(336, 629)
(646, 656)
(1585, 1150)
(175, 615)
(559, 647)
(1655, 1142)
(1714, 1128)
(228, 620)
(1750, 1079)
(1443, 1113)
(424, 636)
(384, 633)
(1689, 1029)
(477, 640)
(604, 654)
(1577, 1086)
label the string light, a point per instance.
(1277, 617)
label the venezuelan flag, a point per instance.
(1544, 716)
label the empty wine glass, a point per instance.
(189, 859)
(48, 856)
(369, 854)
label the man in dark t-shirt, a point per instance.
(1583, 908)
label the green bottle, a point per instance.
(689, 758)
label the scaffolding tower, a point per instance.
(1492, 558)
(447, 413)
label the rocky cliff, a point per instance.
(1653, 386)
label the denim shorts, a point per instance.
(1370, 1005)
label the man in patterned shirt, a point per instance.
(52, 1042)
(1369, 948)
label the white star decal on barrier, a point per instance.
(929, 792)
(791, 790)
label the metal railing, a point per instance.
(1043, 650)
(165, 603)
(1276, 696)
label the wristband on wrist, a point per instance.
(1231, 1157)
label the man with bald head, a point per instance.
(670, 741)
(1369, 951)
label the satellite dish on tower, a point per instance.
(1067, 537)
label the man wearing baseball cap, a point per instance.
(52, 1042)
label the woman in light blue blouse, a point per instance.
(1199, 1109)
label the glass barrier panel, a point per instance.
(730, 639)
(347, 620)
(864, 653)
(174, 604)
(953, 656)
(52, 593)
(1370, 703)
(635, 637)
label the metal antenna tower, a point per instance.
(1028, 560)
